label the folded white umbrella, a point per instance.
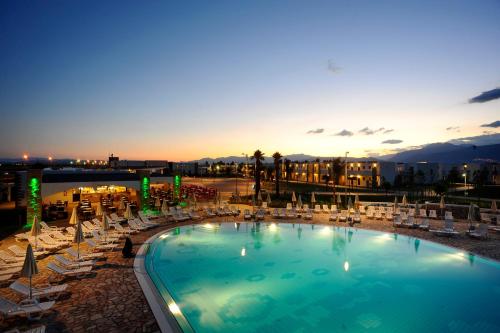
(259, 196)
(294, 199)
(313, 198)
(29, 267)
(164, 206)
(356, 201)
(74, 217)
(441, 203)
(36, 229)
(157, 202)
(268, 199)
(128, 213)
(98, 211)
(395, 202)
(105, 225)
(404, 201)
(349, 203)
(299, 202)
(122, 205)
(339, 199)
(494, 206)
(78, 237)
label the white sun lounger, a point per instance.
(100, 247)
(84, 255)
(333, 216)
(308, 215)
(424, 225)
(9, 258)
(30, 308)
(317, 209)
(481, 231)
(448, 229)
(344, 214)
(78, 272)
(51, 292)
(276, 214)
(71, 264)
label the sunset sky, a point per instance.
(158, 80)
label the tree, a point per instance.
(387, 186)
(453, 175)
(441, 187)
(277, 159)
(337, 169)
(288, 171)
(258, 156)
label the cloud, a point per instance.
(344, 133)
(452, 128)
(392, 141)
(316, 131)
(368, 131)
(494, 124)
(486, 96)
(479, 140)
(388, 131)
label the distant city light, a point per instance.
(25, 156)
(50, 158)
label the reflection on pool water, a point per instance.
(303, 278)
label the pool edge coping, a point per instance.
(164, 318)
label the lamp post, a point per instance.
(345, 198)
(465, 179)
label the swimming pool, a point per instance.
(268, 277)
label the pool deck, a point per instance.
(111, 300)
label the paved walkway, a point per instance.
(112, 301)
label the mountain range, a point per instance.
(434, 152)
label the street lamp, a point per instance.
(345, 162)
(465, 179)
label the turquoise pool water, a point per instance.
(302, 278)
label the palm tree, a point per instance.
(277, 158)
(258, 156)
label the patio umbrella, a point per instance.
(78, 237)
(294, 199)
(36, 230)
(442, 204)
(105, 225)
(349, 203)
(259, 197)
(313, 199)
(74, 217)
(395, 202)
(494, 206)
(121, 206)
(98, 211)
(299, 202)
(29, 267)
(356, 201)
(470, 215)
(164, 206)
(128, 213)
(404, 202)
(268, 199)
(157, 202)
(339, 200)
